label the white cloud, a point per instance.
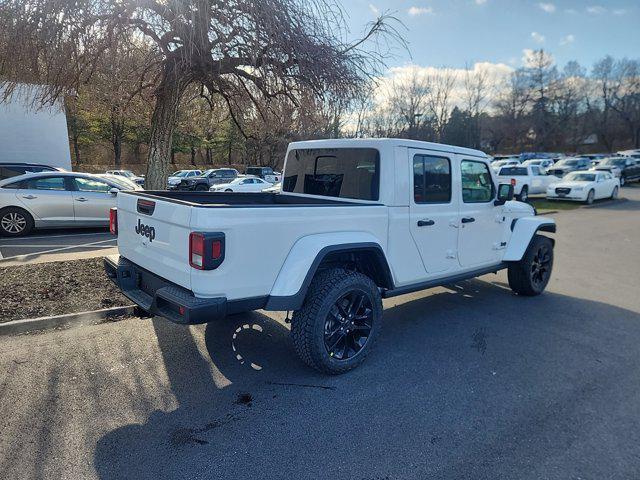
(496, 74)
(415, 11)
(547, 7)
(619, 11)
(571, 11)
(532, 57)
(537, 37)
(566, 40)
(596, 9)
(375, 10)
(480, 2)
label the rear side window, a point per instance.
(477, 186)
(431, 179)
(514, 171)
(16, 185)
(47, 183)
(334, 172)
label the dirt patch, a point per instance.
(37, 290)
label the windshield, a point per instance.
(581, 177)
(121, 182)
(127, 173)
(567, 163)
(180, 173)
(500, 163)
(514, 171)
(616, 162)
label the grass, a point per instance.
(543, 205)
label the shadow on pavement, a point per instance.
(471, 382)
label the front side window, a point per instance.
(477, 186)
(91, 185)
(47, 183)
(431, 179)
(334, 172)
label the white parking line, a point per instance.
(57, 250)
(70, 235)
(42, 246)
(47, 246)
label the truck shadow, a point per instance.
(434, 347)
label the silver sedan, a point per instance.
(56, 200)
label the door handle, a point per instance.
(29, 197)
(81, 199)
(426, 223)
(468, 220)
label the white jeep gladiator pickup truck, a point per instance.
(357, 221)
(527, 180)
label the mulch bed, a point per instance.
(38, 290)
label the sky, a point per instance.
(457, 33)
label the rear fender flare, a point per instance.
(523, 231)
(290, 288)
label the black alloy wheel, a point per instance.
(348, 325)
(541, 266)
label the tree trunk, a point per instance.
(193, 155)
(163, 123)
(76, 148)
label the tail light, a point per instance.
(513, 182)
(113, 221)
(206, 250)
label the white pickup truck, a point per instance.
(527, 180)
(357, 221)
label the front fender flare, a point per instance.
(524, 230)
(290, 288)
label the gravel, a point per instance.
(30, 291)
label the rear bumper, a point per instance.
(161, 297)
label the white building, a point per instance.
(30, 135)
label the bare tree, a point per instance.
(476, 92)
(235, 48)
(407, 101)
(438, 99)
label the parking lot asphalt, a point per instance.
(466, 382)
(46, 242)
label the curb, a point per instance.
(16, 327)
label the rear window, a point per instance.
(513, 171)
(334, 172)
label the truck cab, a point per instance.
(357, 220)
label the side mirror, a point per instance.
(505, 194)
(114, 191)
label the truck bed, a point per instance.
(237, 199)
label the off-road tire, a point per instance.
(202, 187)
(308, 323)
(623, 180)
(520, 273)
(21, 213)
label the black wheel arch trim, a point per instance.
(294, 302)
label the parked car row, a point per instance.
(58, 199)
(198, 180)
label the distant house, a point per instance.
(33, 135)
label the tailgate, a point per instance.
(154, 234)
